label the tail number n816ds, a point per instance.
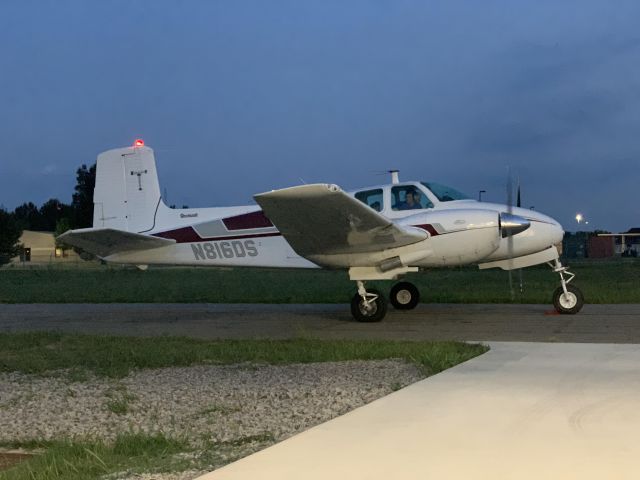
(233, 249)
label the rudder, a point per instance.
(127, 192)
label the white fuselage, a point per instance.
(460, 232)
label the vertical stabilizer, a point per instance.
(127, 192)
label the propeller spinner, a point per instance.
(512, 224)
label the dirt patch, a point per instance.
(9, 459)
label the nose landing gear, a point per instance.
(567, 299)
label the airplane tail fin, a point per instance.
(127, 192)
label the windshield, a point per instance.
(444, 193)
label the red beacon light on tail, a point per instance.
(138, 143)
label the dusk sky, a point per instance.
(240, 97)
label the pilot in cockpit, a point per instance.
(417, 203)
(411, 201)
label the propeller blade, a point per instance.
(521, 281)
(519, 204)
(509, 191)
(509, 233)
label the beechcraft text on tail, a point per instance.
(380, 232)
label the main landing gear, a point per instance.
(368, 306)
(567, 299)
(404, 296)
(371, 306)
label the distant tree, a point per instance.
(51, 212)
(10, 233)
(62, 226)
(28, 217)
(82, 203)
(43, 219)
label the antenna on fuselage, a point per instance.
(394, 176)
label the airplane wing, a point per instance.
(107, 241)
(322, 219)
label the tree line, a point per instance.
(52, 216)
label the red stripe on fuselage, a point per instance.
(189, 235)
(247, 220)
(429, 228)
(181, 235)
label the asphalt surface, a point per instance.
(529, 323)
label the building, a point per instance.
(40, 247)
(601, 245)
(627, 244)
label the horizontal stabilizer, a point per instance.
(322, 219)
(107, 241)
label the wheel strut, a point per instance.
(562, 271)
(566, 298)
(368, 306)
(368, 298)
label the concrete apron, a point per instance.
(521, 411)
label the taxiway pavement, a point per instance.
(522, 410)
(491, 322)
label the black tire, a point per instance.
(570, 305)
(404, 296)
(377, 312)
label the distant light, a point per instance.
(579, 217)
(138, 143)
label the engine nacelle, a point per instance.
(457, 237)
(454, 237)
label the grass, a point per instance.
(47, 353)
(129, 455)
(71, 460)
(607, 281)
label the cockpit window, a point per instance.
(444, 193)
(408, 197)
(373, 198)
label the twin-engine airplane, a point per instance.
(375, 233)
